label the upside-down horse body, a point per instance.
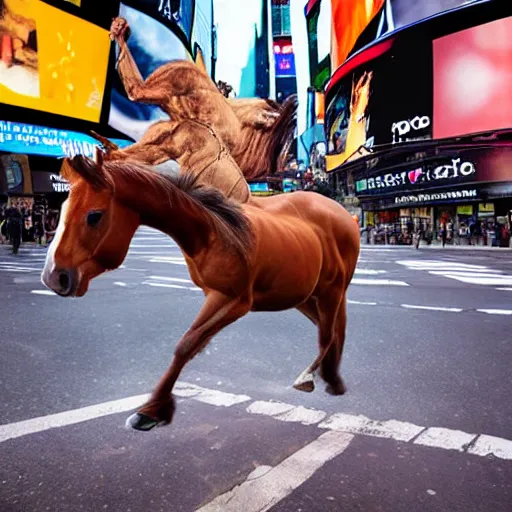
(255, 132)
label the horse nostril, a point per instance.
(64, 280)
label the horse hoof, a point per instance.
(306, 386)
(141, 422)
(336, 389)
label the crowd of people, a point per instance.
(18, 224)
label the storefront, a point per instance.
(468, 194)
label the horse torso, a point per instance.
(303, 243)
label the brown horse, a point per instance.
(235, 253)
(257, 132)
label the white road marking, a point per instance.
(391, 429)
(167, 285)
(361, 303)
(261, 494)
(369, 272)
(432, 308)
(378, 282)
(43, 292)
(119, 283)
(147, 246)
(504, 289)
(445, 438)
(154, 238)
(62, 419)
(377, 250)
(176, 279)
(496, 311)
(172, 262)
(287, 412)
(442, 438)
(485, 281)
(490, 445)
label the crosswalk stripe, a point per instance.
(378, 282)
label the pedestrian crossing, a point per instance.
(151, 248)
(480, 275)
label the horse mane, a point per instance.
(225, 215)
(268, 129)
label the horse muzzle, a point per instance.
(63, 282)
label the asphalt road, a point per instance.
(426, 424)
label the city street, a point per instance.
(426, 424)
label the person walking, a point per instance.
(14, 229)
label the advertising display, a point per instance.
(51, 60)
(319, 27)
(384, 100)
(473, 64)
(349, 19)
(284, 59)
(31, 139)
(178, 12)
(357, 23)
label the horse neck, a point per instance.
(168, 210)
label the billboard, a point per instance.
(51, 60)
(179, 13)
(357, 23)
(32, 139)
(386, 99)
(349, 19)
(473, 64)
(153, 42)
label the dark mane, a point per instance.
(225, 215)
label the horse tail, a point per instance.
(282, 134)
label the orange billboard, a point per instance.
(51, 60)
(349, 19)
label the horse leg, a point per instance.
(329, 367)
(326, 313)
(134, 84)
(217, 312)
(304, 381)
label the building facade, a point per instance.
(418, 121)
(58, 81)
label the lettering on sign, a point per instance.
(401, 128)
(169, 9)
(451, 171)
(437, 196)
(59, 184)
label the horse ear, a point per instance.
(89, 170)
(99, 154)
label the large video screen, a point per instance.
(386, 99)
(179, 12)
(357, 23)
(51, 61)
(472, 76)
(349, 19)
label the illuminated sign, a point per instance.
(55, 62)
(31, 139)
(456, 170)
(59, 184)
(437, 196)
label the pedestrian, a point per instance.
(39, 231)
(14, 228)
(443, 233)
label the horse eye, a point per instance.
(93, 218)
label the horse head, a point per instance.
(94, 230)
